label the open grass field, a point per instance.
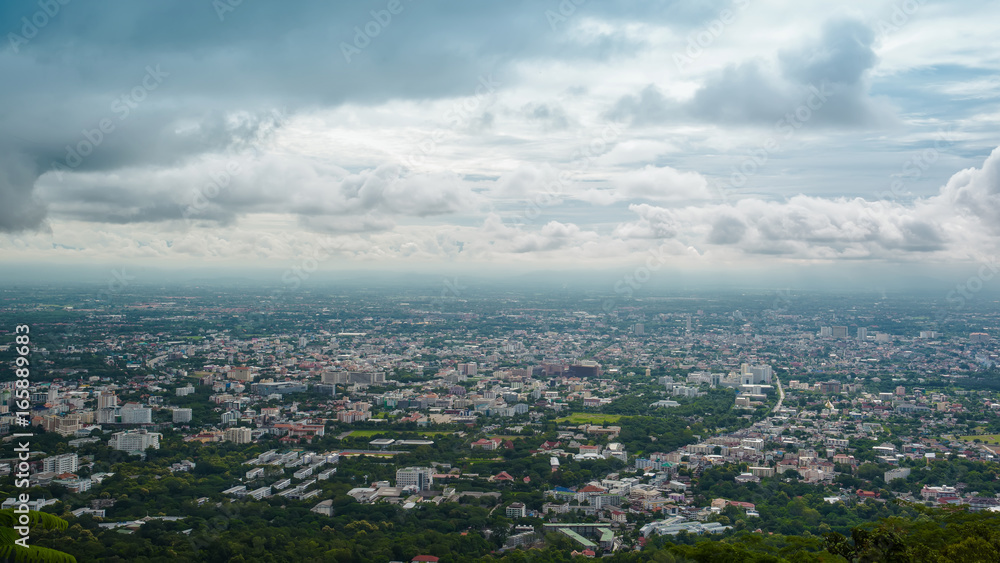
(993, 439)
(395, 434)
(590, 418)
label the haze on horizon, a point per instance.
(723, 139)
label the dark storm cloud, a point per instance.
(62, 78)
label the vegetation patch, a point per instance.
(590, 418)
(984, 438)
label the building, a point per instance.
(134, 413)
(516, 510)
(65, 463)
(755, 375)
(238, 435)
(107, 416)
(324, 507)
(825, 332)
(184, 391)
(979, 337)
(181, 416)
(839, 331)
(240, 374)
(354, 377)
(278, 388)
(832, 386)
(862, 333)
(585, 368)
(107, 400)
(898, 473)
(419, 477)
(135, 441)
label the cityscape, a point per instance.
(505, 281)
(212, 424)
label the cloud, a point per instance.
(214, 188)
(962, 219)
(20, 208)
(976, 193)
(837, 64)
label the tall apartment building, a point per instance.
(239, 435)
(65, 463)
(134, 413)
(839, 332)
(181, 415)
(135, 441)
(107, 400)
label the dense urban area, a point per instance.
(207, 423)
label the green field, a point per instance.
(399, 435)
(985, 438)
(590, 418)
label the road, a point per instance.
(781, 396)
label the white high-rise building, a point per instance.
(419, 477)
(135, 441)
(181, 415)
(107, 416)
(755, 375)
(65, 463)
(237, 435)
(107, 400)
(862, 333)
(134, 413)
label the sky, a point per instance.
(722, 137)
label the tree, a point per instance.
(11, 551)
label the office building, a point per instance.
(419, 477)
(755, 375)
